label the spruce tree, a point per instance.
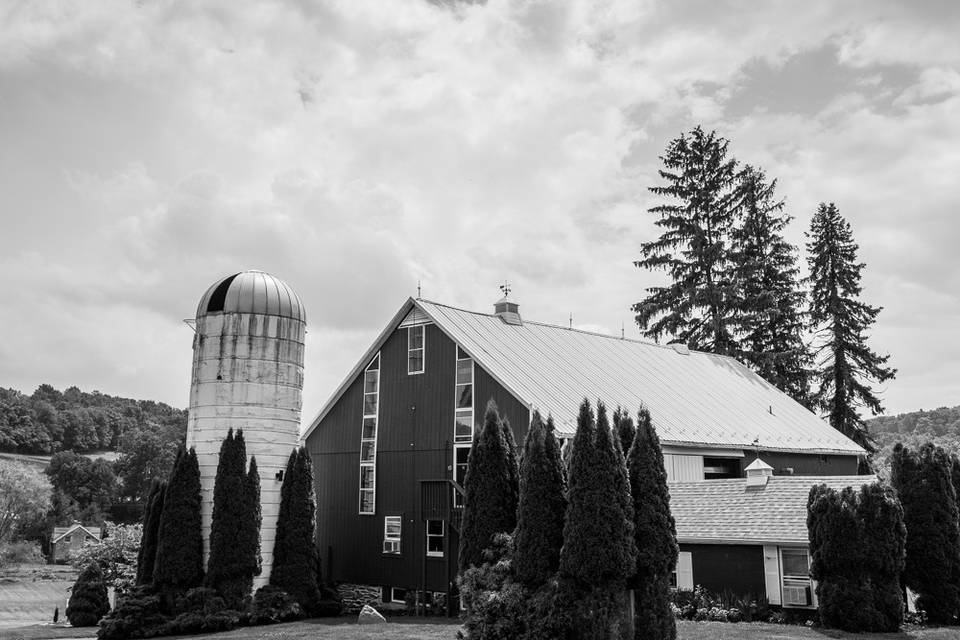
(539, 533)
(697, 307)
(179, 560)
(923, 480)
(840, 321)
(490, 504)
(294, 553)
(88, 598)
(770, 303)
(655, 533)
(146, 556)
(624, 429)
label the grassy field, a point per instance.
(30, 592)
(419, 629)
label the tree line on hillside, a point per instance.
(940, 427)
(735, 287)
(50, 420)
(548, 551)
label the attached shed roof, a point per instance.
(726, 512)
(696, 399)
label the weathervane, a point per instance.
(418, 289)
(505, 288)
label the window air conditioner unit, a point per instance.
(796, 593)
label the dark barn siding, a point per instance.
(804, 464)
(414, 440)
(720, 567)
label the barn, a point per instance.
(390, 446)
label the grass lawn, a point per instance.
(429, 629)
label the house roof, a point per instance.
(59, 532)
(726, 512)
(695, 398)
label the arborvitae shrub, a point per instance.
(179, 559)
(655, 535)
(495, 604)
(490, 504)
(624, 429)
(857, 551)
(235, 529)
(598, 552)
(147, 554)
(539, 533)
(272, 604)
(88, 599)
(924, 483)
(294, 560)
(513, 461)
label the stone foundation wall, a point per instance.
(356, 595)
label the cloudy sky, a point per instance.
(354, 148)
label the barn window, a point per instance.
(463, 418)
(718, 468)
(415, 349)
(795, 568)
(391, 535)
(368, 437)
(435, 538)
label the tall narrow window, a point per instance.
(391, 535)
(435, 538)
(463, 418)
(368, 437)
(796, 585)
(415, 349)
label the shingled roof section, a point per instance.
(726, 512)
(697, 399)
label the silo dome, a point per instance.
(252, 292)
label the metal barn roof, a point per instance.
(695, 398)
(726, 512)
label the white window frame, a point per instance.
(461, 442)
(393, 595)
(791, 580)
(422, 348)
(442, 535)
(392, 541)
(370, 464)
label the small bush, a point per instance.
(136, 615)
(272, 604)
(88, 599)
(203, 600)
(20, 553)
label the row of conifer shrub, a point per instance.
(174, 595)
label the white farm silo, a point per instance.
(247, 374)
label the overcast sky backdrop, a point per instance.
(355, 147)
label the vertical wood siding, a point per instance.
(414, 442)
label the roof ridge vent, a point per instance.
(508, 311)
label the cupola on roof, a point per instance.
(252, 292)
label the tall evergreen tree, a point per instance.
(697, 307)
(655, 533)
(769, 316)
(840, 321)
(624, 429)
(539, 533)
(253, 518)
(490, 504)
(294, 554)
(179, 560)
(925, 486)
(147, 554)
